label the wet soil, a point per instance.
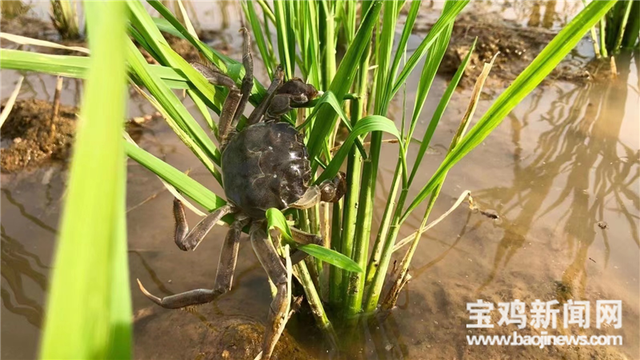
(517, 47)
(28, 26)
(37, 28)
(33, 139)
(201, 334)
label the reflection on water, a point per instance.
(562, 172)
(583, 146)
(16, 263)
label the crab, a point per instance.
(265, 165)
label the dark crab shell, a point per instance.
(265, 165)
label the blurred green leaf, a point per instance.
(89, 303)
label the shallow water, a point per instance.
(564, 161)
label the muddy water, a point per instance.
(561, 172)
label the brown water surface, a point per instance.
(561, 172)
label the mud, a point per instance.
(26, 26)
(201, 334)
(517, 48)
(37, 28)
(32, 141)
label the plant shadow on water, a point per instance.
(562, 175)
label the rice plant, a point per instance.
(619, 29)
(64, 16)
(357, 89)
(622, 26)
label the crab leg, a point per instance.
(224, 276)
(229, 255)
(189, 240)
(247, 80)
(270, 260)
(231, 103)
(259, 111)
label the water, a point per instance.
(562, 164)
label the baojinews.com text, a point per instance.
(571, 315)
(544, 340)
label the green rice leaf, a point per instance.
(176, 110)
(431, 65)
(437, 114)
(186, 185)
(449, 14)
(75, 66)
(89, 302)
(276, 220)
(365, 125)
(344, 78)
(256, 27)
(285, 37)
(63, 65)
(331, 100)
(330, 256)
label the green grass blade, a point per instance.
(529, 79)
(447, 18)
(143, 22)
(276, 220)
(331, 100)
(331, 257)
(625, 18)
(284, 42)
(23, 40)
(186, 185)
(329, 42)
(89, 306)
(404, 38)
(603, 42)
(75, 66)
(344, 78)
(175, 109)
(256, 29)
(363, 126)
(431, 65)
(384, 46)
(63, 65)
(437, 114)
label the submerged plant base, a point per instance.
(201, 334)
(30, 138)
